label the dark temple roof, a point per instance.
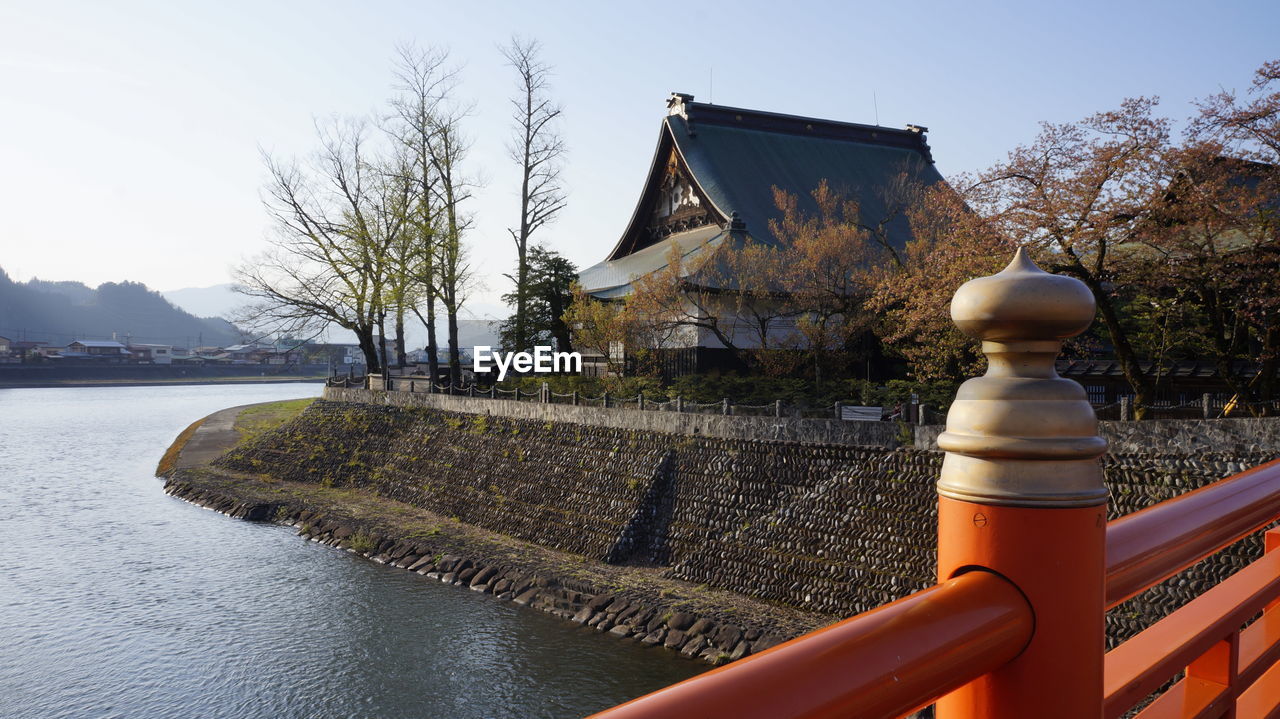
(735, 158)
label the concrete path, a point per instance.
(214, 436)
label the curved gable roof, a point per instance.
(738, 163)
(736, 157)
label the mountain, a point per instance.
(59, 312)
(212, 301)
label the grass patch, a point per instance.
(362, 543)
(170, 459)
(262, 418)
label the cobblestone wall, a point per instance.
(832, 528)
(862, 535)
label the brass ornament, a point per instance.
(1020, 435)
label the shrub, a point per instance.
(361, 543)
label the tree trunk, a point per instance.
(382, 342)
(522, 296)
(522, 242)
(401, 357)
(1264, 383)
(455, 360)
(1129, 364)
(433, 345)
(364, 337)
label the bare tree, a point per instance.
(427, 122)
(412, 264)
(423, 81)
(452, 189)
(537, 147)
(336, 217)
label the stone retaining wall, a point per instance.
(831, 528)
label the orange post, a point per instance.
(1021, 494)
(1054, 556)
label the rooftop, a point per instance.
(713, 163)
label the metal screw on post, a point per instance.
(1021, 492)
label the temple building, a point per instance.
(712, 181)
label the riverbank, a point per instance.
(809, 531)
(626, 601)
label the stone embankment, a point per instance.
(625, 601)
(711, 628)
(713, 545)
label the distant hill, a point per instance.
(58, 312)
(213, 301)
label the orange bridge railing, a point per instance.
(1028, 566)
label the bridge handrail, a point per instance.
(1151, 545)
(883, 663)
(1223, 662)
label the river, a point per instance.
(119, 601)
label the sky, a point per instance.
(132, 133)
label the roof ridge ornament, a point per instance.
(676, 104)
(1020, 435)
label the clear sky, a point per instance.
(130, 131)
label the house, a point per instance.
(712, 182)
(23, 349)
(96, 351)
(151, 354)
(261, 353)
(336, 355)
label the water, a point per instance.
(119, 601)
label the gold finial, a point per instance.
(1021, 435)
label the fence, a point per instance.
(914, 414)
(1208, 406)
